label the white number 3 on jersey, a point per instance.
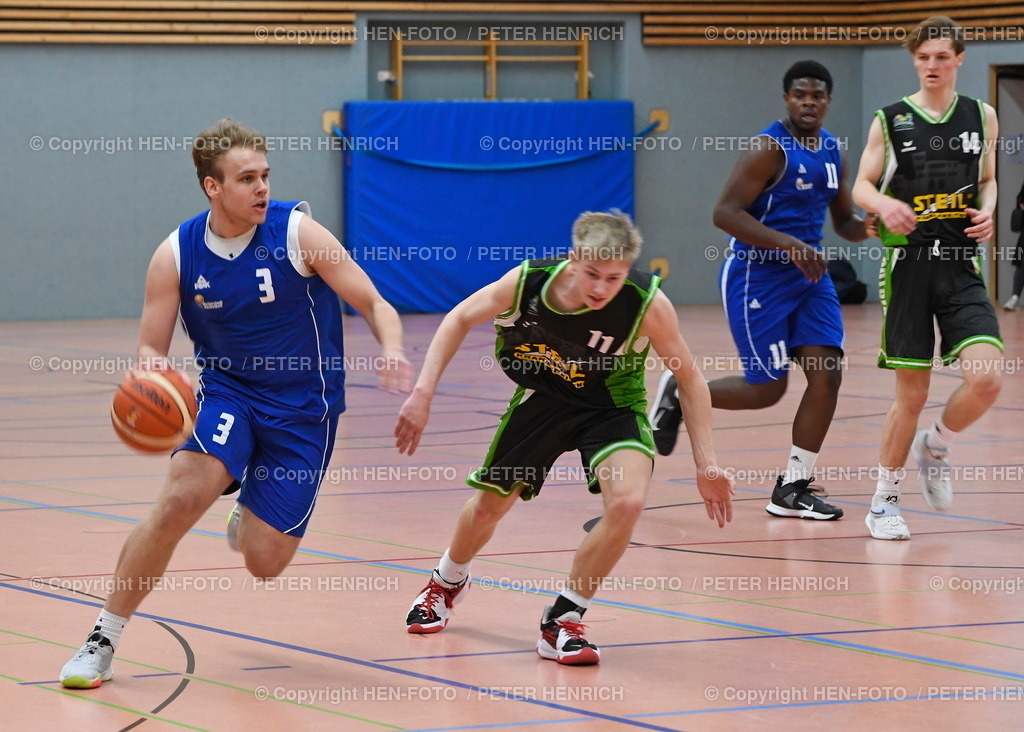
(266, 285)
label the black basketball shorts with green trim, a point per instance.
(538, 428)
(920, 286)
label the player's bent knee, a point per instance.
(828, 379)
(985, 386)
(489, 508)
(179, 511)
(912, 399)
(625, 510)
(265, 566)
(770, 393)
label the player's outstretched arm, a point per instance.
(897, 216)
(755, 171)
(845, 220)
(661, 326)
(323, 253)
(483, 305)
(160, 309)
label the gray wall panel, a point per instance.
(81, 228)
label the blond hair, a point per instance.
(214, 142)
(936, 28)
(604, 236)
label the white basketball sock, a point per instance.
(888, 485)
(110, 626)
(940, 437)
(800, 465)
(452, 573)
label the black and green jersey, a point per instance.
(933, 165)
(591, 358)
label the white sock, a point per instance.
(575, 598)
(111, 625)
(451, 573)
(800, 465)
(940, 437)
(888, 485)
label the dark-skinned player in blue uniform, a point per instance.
(778, 297)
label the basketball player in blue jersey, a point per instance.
(255, 283)
(573, 334)
(928, 170)
(778, 296)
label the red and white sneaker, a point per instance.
(432, 608)
(562, 640)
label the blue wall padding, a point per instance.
(432, 213)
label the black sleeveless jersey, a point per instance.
(590, 358)
(934, 167)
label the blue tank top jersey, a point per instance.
(796, 203)
(262, 330)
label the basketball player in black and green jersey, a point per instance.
(928, 170)
(574, 334)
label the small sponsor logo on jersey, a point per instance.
(531, 307)
(213, 305)
(202, 283)
(802, 186)
(801, 170)
(903, 121)
(754, 304)
(909, 146)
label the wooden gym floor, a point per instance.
(769, 623)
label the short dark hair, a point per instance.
(807, 70)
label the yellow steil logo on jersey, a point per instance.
(549, 358)
(941, 206)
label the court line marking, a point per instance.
(770, 632)
(94, 700)
(481, 691)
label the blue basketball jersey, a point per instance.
(262, 330)
(796, 203)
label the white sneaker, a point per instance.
(885, 521)
(1012, 303)
(233, 518)
(934, 473)
(90, 667)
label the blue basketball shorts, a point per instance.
(280, 463)
(772, 309)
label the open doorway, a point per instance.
(1009, 104)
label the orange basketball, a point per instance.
(153, 411)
